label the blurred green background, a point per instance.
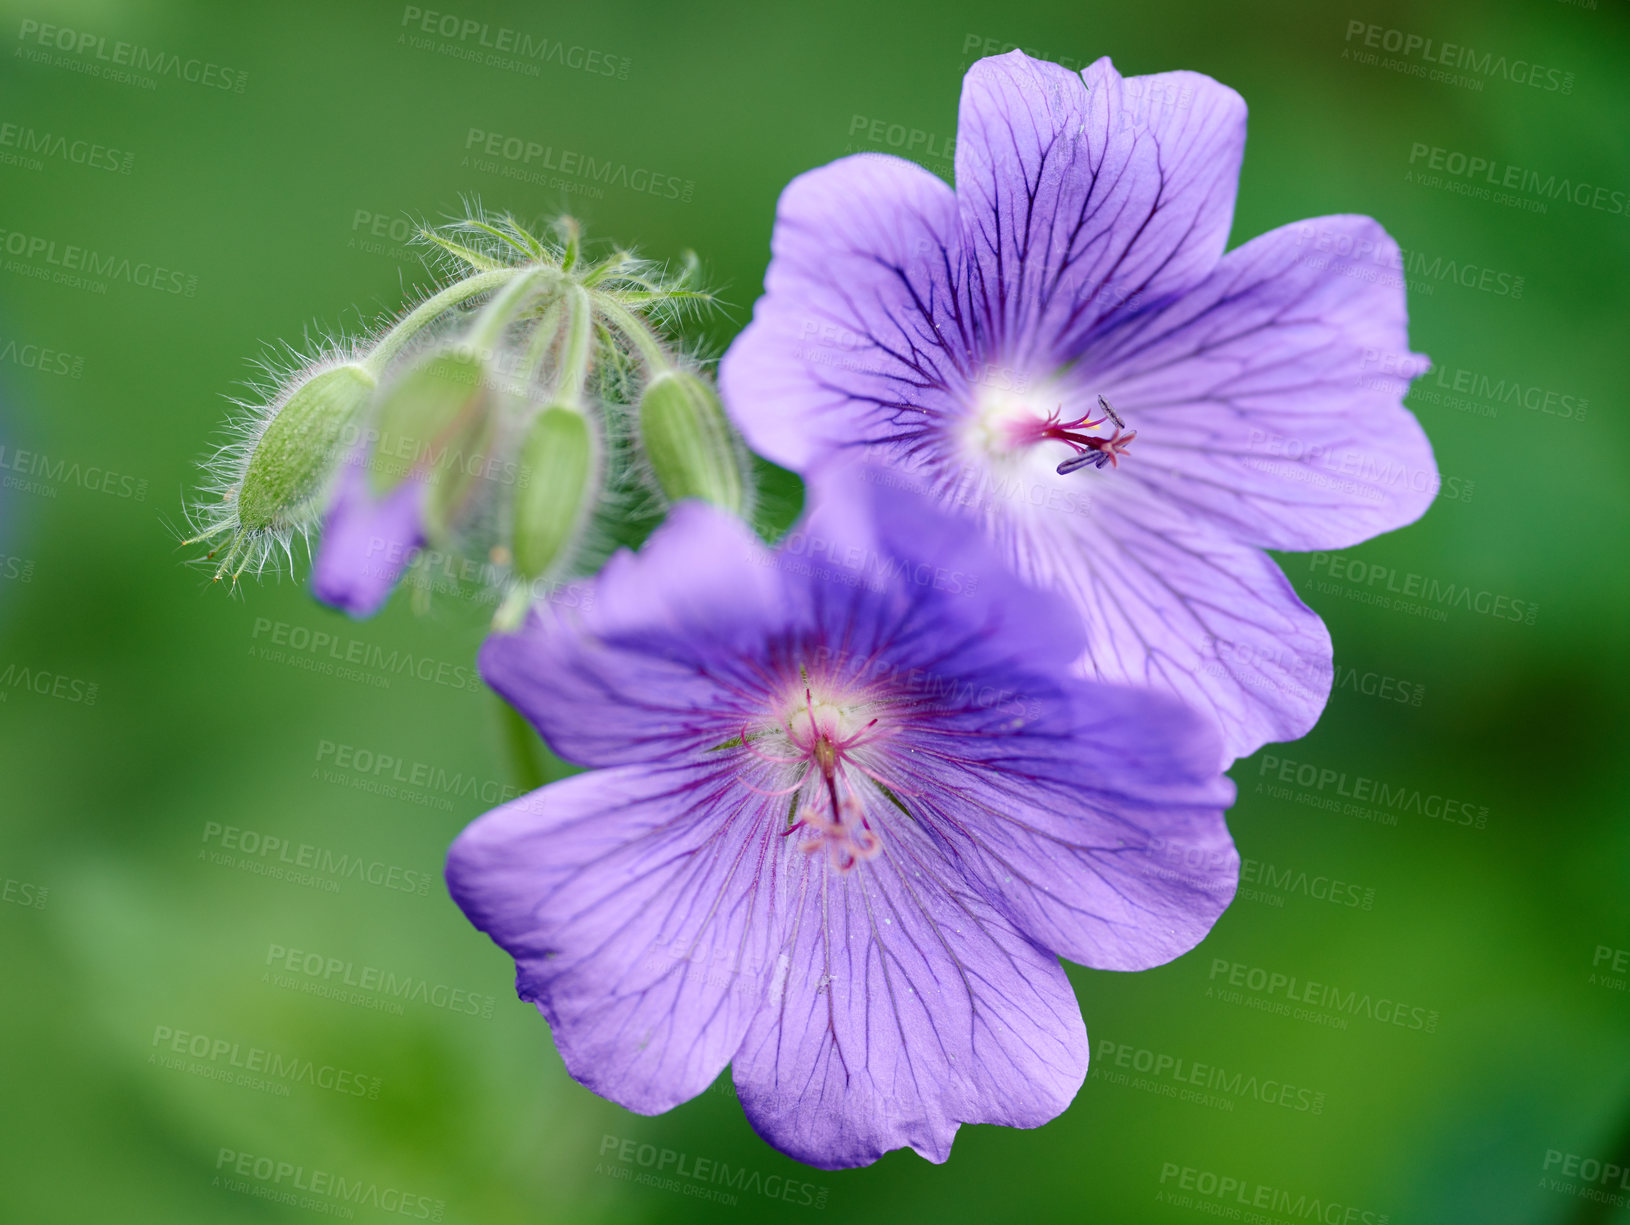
(141, 713)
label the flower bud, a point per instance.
(435, 424)
(693, 450)
(289, 464)
(560, 476)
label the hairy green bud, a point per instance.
(693, 451)
(436, 423)
(560, 476)
(290, 463)
(267, 485)
(446, 398)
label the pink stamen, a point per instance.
(832, 819)
(1090, 449)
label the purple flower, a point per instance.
(1006, 341)
(848, 805)
(367, 540)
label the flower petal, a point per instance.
(932, 583)
(1270, 399)
(366, 543)
(856, 337)
(625, 677)
(1172, 604)
(639, 907)
(1084, 196)
(1068, 802)
(1095, 823)
(904, 1006)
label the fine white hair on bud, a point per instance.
(502, 420)
(692, 448)
(559, 486)
(264, 489)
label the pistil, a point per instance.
(1090, 449)
(831, 815)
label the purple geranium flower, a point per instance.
(849, 805)
(367, 540)
(1007, 340)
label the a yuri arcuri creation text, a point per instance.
(252, 1066)
(366, 985)
(294, 1184)
(1306, 999)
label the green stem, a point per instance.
(638, 333)
(573, 234)
(579, 343)
(501, 311)
(614, 266)
(431, 308)
(543, 337)
(521, 744)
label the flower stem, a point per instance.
(503, 308)
(522, 747)
(432, 307)
(575, 351)
(638, 333)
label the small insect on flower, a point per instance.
(846, 807)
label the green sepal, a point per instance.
(291, 461)
(693, 450)
(559, 477)
(435, 422)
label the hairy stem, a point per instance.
(431, 308)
